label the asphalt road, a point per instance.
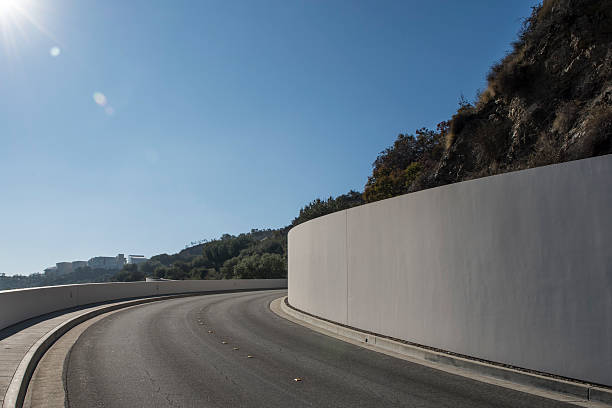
(163, 355)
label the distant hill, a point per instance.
(195, 250)
(256, 254)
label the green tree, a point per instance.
(398, 169)
(318, 208)
(129, 273)
(265, 266)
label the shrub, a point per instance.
(598, 132)
(318, 208)
(464, 115)
(266, 266)
(396, 169)
(565, 116)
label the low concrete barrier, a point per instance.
(514, 268)
(22, 304)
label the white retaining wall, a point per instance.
(514, 268)
(22, 304)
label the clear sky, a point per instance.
(139, 126)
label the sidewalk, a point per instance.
(17, 340)
(23, 344)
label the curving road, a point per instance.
(162, 355)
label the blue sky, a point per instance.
(217, 116)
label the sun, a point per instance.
(15, 18)
(12, 15)
(9, 8)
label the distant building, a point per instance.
(107, 262)
(98, 262)
(78, 264)
(136, 259)
(64, 267)
(52, 270)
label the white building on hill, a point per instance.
(64, 267)
(136, 259)
(78, 264)
(52, 270)
(107, 262)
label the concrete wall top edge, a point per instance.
(22, 304)
(166, 282)
(71, 285)
(319, 219)
(516, 173)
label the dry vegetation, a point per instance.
(547, 101)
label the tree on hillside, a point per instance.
(265, 266)
(129, 273)
(318, 207)
(399, 169)
(163, 259)
(216, 252)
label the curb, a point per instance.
(16, 392)
(584, 392)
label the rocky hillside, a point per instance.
(547, 101)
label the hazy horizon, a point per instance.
(138, 127)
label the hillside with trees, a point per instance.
(256, 254)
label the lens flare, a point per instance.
(55, 51)
(100, 98)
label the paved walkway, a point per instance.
(16, 340)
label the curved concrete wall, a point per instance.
(22, 304)
(515, 268)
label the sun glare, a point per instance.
(15, 17)
(9, 7)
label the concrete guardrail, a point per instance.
(22, 304)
